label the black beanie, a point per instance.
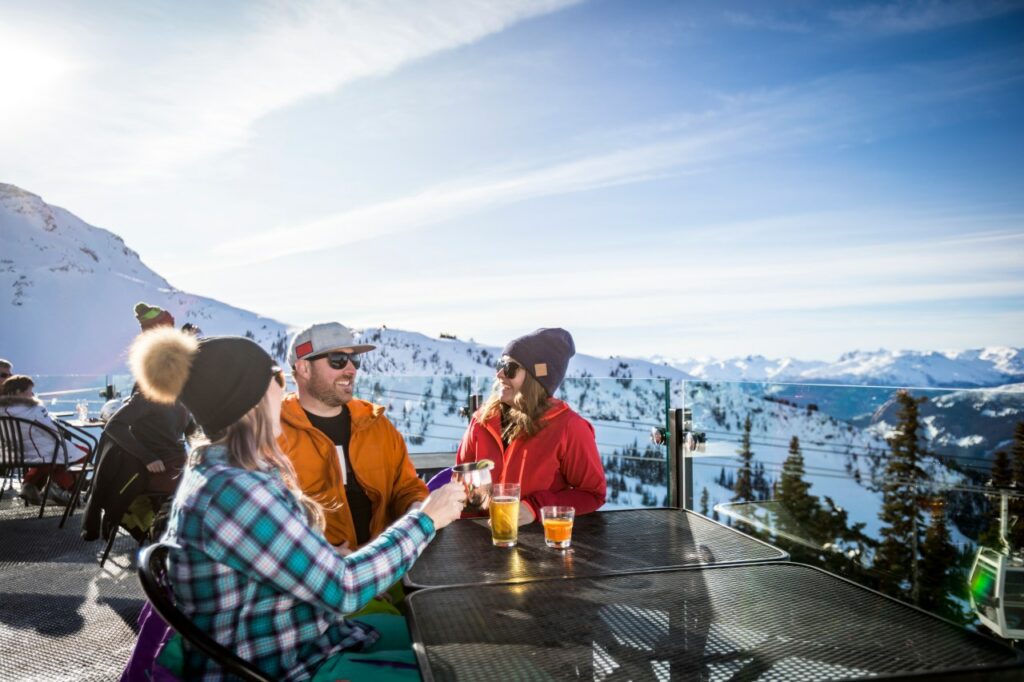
(229, 377)
(218, 379)
(544, 354)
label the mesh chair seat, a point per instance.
(153, 576)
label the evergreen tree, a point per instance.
(938, 556)
(794, 490)
(1016, 530)
(704, 502)
(897, 555)
(744, 486)
(1002, 477)
(1002, 474)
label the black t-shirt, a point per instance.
(339, 430)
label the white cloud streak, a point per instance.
(202, 98)
(913, 16)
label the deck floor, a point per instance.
(62, 617)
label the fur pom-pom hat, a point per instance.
(218, 379)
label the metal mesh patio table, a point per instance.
(771, 621)
(605, 542)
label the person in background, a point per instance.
(6, 370)
(18, 399)
(154, 433)
(250, 565)
(348, 456)
(190, 328)
(533, 438)
(151, 316)
(141, 455)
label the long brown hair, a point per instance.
(251, 445)
(523, 418)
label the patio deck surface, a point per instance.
(62, 617)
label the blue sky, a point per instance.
(661, 178)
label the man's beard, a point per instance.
(326, 392)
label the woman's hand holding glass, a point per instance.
(445, 504)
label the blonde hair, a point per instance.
(524, 416)
(251, 445)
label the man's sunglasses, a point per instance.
(278, 375)
(339, 359)
(510, 368)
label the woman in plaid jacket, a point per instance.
(252, 567)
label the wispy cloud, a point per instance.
(188, 101)
(912, 16)
(744, 126)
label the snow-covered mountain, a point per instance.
(71, 288)
(982, 367)
(68, 289)
(964, 424)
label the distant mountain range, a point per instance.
(952, 369)
(67, 290)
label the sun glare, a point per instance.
(32, 71)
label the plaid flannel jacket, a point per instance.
(255, 575)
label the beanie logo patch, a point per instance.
(540, 369)
(303, 349)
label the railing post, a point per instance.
(681, 467)
(673, 460)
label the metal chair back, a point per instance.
(13, 432)
(153, 576)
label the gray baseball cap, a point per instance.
(321, 338)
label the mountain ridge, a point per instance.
(66, 279)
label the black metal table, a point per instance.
(771, 621)
(623, 541)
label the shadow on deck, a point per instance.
(62, 617)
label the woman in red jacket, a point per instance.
(533, 438)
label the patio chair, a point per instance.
(13, 431)
(82, 469)
(153, 576)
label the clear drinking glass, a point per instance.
(557, 525)
(504, 507)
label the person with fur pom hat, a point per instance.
(533, 438)
(251, 565)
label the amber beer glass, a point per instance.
(557, 526)
(504, 507)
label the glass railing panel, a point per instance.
(431, 413)
(61, 393)
(623, 412)
(832, 478)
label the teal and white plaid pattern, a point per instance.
(255, 575)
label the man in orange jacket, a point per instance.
(346, 453)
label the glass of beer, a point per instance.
(504, 508)
(557, 526)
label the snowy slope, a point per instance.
(68, 289)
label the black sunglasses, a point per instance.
(339, 359)
(278, 375)
(510, 368)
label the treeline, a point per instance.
(913, 557)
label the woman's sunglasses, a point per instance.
(510, 368)
(278, 375)
(339, 359)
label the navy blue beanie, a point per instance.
(545, 354)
